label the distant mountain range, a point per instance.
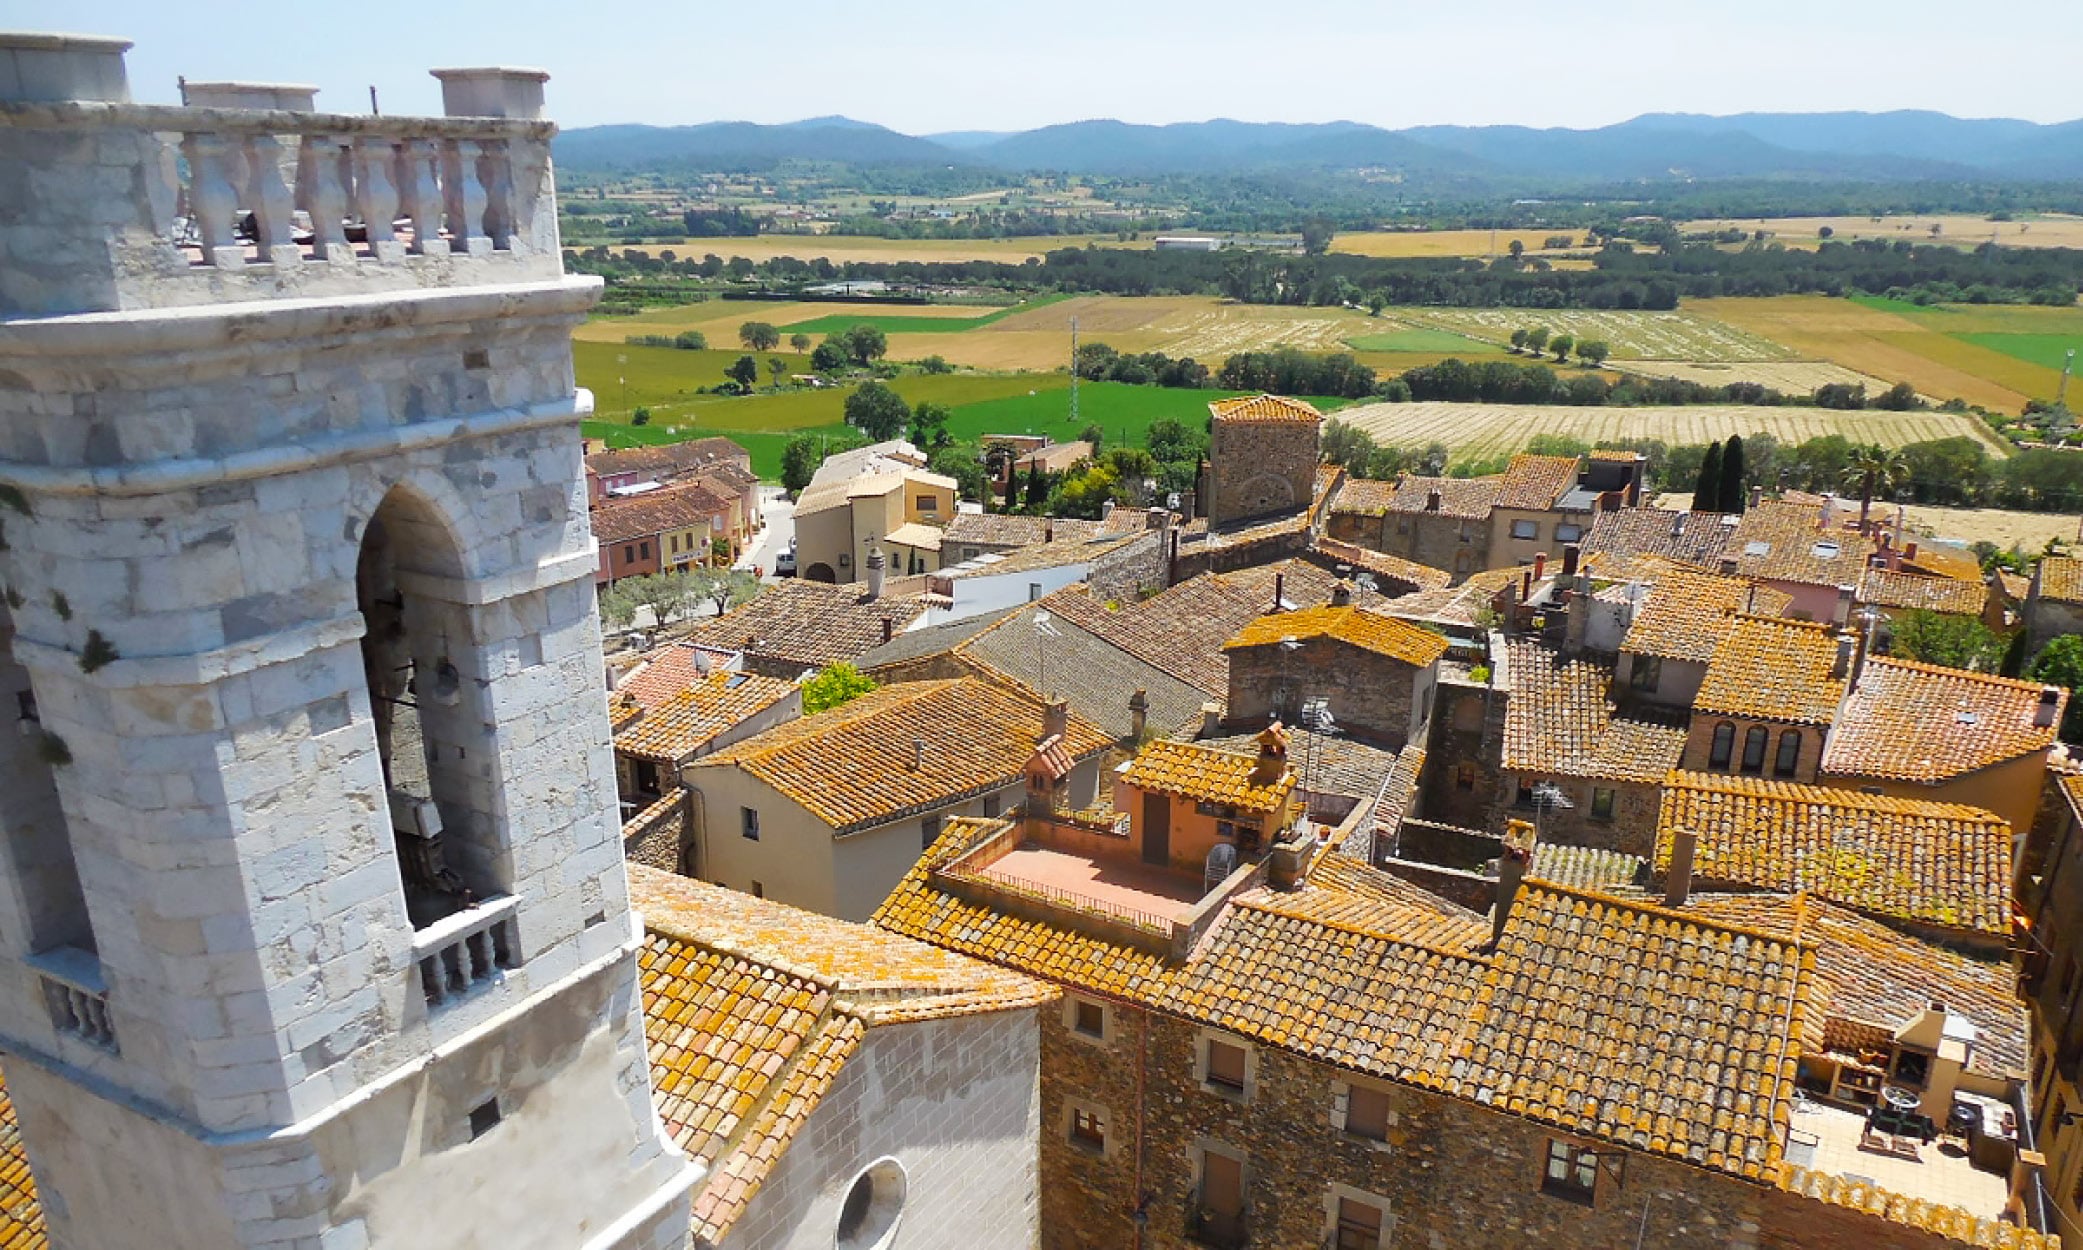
(1897, 146)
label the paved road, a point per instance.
(779, 513)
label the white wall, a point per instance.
(979, 593)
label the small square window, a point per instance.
(484, 1117)
(748, 822)
(643, 549)
(1601, 803)
(992, 804)
(1568, 533)
(1088, 1129)
(1525, 529)
(1572, 1172)
(1646, 673)
(1367, 1113)
(629, 553)
(1464, 776)
(1089, 1018)
(1226, 1066)
(25, 705)
(1359, 1226)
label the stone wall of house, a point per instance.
(1361, 529)
(1463, 782)
(1699, 747)
(1373, 697)
(954, 1103)
(1133, 569)
(1459, 545)
(1631, 829)
(1260, 468)
(2046, 620)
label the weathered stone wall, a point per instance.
(1631, 829)
(1131, 570)
(1463, 783)
(1459, 545)
(1260, 468)
(1373, 697)
(1699, 747)
(956, 1103)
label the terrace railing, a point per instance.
(76, 995)
(467, 951)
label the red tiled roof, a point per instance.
(1536, 482)
(688, 506)
(1263, 408)
(1469, 498)
(1919, 722)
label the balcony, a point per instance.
(465, 952)
(76, 995)
(1217, 1229)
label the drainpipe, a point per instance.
(2034, 1193)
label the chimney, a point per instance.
(1106, 510)
(2043, 715)
(1433, 499)
(1571, 552)
(1843, 612)
(1211, 720)
(1048, 531)
(1272, 755)
(1577, 624)
(1157, 519)
(877, 562)
(889, 628)
(1677, 524)
(1841, 668)
(918, 754)
(1757, 494)
(1728, 568)
(1678, 879)
(1526, 586)
(1634, 483)
(1280, 592)
(1055, 719)
(1342, 594)
(1540, 565)
(1511, 871)
(1909, 552)
(1138, 714)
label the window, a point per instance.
(991, 805)
(1088, 1129)
(629, 553)
(1647, 673)
(1601, 803)
(1525, 529)
(25, 705)
(1724, 746)
(1568, 533)
(1088, 1017)
(1754, 748)
(1572, 1172)
(928, 504)
(1359, 1226)
(748, 822)
(643, 549)
(1367, 1113)
(874, 1204)
(1522, 796)
(484, 1117)
(1464, 776)
(1789, 757)
(929, 829)
(1225, 1066)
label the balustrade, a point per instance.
(471, 949)
(76, 995)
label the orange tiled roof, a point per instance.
(1207, 775)
(751, 1008)
(1369, 631)
(668, 669)
(1364, 496)
(1264, 408)
(806, 624)
(860, 764)
(1395, 569)
(1915, 590)
(1957, 1225)
(1943, 560)
(691, 719)
(1467, 498)
(1932, 863)
(688, 506)
(1696, 538)
(1536, 482)
(623, 711)
(1560, 720)
(21, 1213)
(1773, 669)
(1687, 615)
(1919, 722)
(1784, 541)
(2060, 579)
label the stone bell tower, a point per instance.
(313, 925)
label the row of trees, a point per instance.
(670, 595)
(1537, 339)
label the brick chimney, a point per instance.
(1571, 553)
(877, 563)
(1909, 552)
(1841, 668)
(1678, 879)
(1511, 871)
(1055, 719)
(1048, 531)
(1540, 565)
(1342, 594)
(2043, 715)
(1272, 755)
(1106, 510)
(1138, 714)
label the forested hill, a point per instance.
(1899, 146)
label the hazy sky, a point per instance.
(926, 65)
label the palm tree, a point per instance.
(1872, 470)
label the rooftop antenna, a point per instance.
(372, 101)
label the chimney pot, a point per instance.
(1540, 564)
(1048, 531)
(1526, 585)
(1342, 594)
(1909, 551)
(889, 629)
(877, 564)
(1757, 495)
(1678, 881)
(1055, 719)
(1571, 553)
(2043, 715)
(1106, 510)
(918, 754)
(1511, 871)
(1841, 668)
(1280, 592)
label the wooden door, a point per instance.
(1157, 829)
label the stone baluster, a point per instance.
(215, 169)
(376, 194)
(268, 199)
(495, 173)
(322, 192)
(464, 193)
(421, 192)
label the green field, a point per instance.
(1421, 341)
(2049, 350)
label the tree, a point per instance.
(1316, 236)
(759, 336)
(1094, 435)
(1537, 339)
(1706, 491)
(1517, 249)
(1519, 339)
(726, 588)
(1084, 492)
(800, 341)
(1347, 444)
(2060, 663)
(1872, 470)
(744, 371)
(1037, 486)
(833, 685)
(877, 411)
(1901, 397)
(777, 368)
(691, 341)
(642, 416)
(1735, 488)
(1560, 345)
(1951, 641)
(959, 461)
(866, 343)
(1593, 352)
(799, 461)
(935, 364)
(664, 593)
(929, 426)
(831, 356)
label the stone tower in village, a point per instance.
(315, 930)
(1263, 453)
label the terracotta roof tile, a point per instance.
(1536, 482)
(1687, 615)
(690, 720)
(806, 624)
(2060, 579)
(1455, 606)
(998, 529)
(1468, 498)
(1919, 722)
(1560, 720)
(1914, 590)
(21, 1213)
(1264, 408)
(1696, 538)
(1364, 496)
(1391, 574)
(1773, 669)
(1180, 631)
(693, 454)
(1957, 1225)
(1783, 541)
(860, 764)
(1357, 627)
(1936, 559)
(1931, 863)
(668, 669)
(1207, 775)
(688, 506)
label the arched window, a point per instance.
(1754, 740)
(1724, 746)
(1789, 757)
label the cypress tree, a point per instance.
(1037, 486)
(1706, 490)
(1735, 492)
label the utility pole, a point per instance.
(1074, 373)
(2068, 366)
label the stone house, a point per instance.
(1683, 619)
(828, 812)
(1388, 575)
(1697, 539)
(795, 627)
(1768, 699)
(1441, 522)
(1540, 508)
(1219, 1072)
(973, 534)
(2054, 602)
(1374, 674)
(1263, 455)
